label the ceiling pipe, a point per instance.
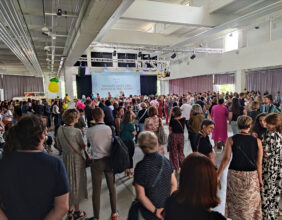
(55, 5)
(19, 41)
(80, 7)
(231, 24)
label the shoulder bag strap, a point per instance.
(143, 115)
(76, 151)
(180, 124)
(159, 174)
(246, 156)
(198, 144)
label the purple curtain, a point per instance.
(191, 84)
(17, 85)
(270, 80)
(221, 79)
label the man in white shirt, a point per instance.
(186, 110)
(100, 138)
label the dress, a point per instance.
(219, 116)
(74, 164)
(243, 200)
(152, 124)
(271, 175)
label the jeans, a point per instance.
(141, 127)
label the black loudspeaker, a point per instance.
(81, 71)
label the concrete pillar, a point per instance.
(164, 87)
(240, 81)
(88, 53)
(68, 77)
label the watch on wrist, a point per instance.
(155, 212)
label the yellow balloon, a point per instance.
(65, 106)
(53, 87)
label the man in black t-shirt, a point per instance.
(33, 184)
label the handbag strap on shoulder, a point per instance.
(159, 174)
(75, 150)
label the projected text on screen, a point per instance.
(115, 82)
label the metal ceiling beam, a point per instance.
(86, 30)
(159, 12)
(15, 36)
(231, 24)
(215, 5)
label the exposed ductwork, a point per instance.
(15, 36)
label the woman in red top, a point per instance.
(160, 108)
(166, 106)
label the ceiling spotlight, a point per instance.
(193, 56)
(140, 54)
(59, 12)
(173, 56)
(114, 53)
(256, 27)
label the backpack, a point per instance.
(119, 155)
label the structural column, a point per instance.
(68, 77)
(240, 81)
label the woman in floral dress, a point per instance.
(272, 167)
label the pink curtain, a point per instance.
(221, 79)
(191, 84)
(270, 80)
(17, 85)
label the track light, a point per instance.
(114, 53)
(193, 57)
(140, 54)
(256, 27)
(173, 56)
(59, 12)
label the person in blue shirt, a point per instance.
(267, 107)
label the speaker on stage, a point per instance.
(81, 71)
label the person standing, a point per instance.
(33, 185)
(70, 140)
(267, 107)
(254, 110)
(166, 110)
(194, 124)
(197, 191)
(176, 141)
(202, 141)
(100, 139)
(153, 123)
(186, 110)
(236, 110)
(154, 180)
(88, 112)
(219, 116)
(142, 115)
(272, 166)
(244, 180)
(127, 134)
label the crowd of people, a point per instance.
(35, 184)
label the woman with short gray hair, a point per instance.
(154, 179)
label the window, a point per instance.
(231, 41)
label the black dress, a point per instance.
(175, 211)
